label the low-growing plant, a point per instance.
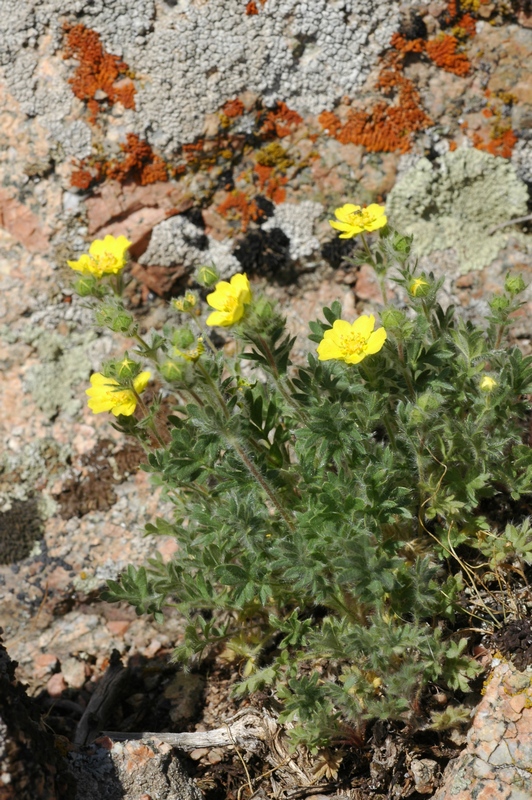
(329, 514)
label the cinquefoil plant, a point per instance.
(321, 509)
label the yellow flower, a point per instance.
(419, 287)
(487, 384)
(185, 303)
(229, 300)
(106, 394)
(193, 353)
(351, 342)
(352, 220)
(106, 257)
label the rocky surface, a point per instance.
(198, 128)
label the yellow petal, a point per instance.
(376, 341)
(218, 298)
(116, 247)
(240, 286)
(344, 226)
(350, 234)
(83, 264)
(219, 319)
(328, 349)
(364, 325)
(354, 358)
(141, 381)
(344, 213)
(127, 407)
(340, 328)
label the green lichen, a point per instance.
(64, 364)
(455, 202)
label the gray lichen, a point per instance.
(178, 241)
(192, 56)
(297, 223)
(455, 202)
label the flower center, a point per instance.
(117, 398)
(353, 344)
(360, 218)
(104, 263)
(230, 303)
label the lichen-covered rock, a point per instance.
(191, 56)
(297, 223)
(177, 241)
(456, 202)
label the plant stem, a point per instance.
(152, 423)
(279, 380)
(261, 480)
(380, 277)
(404, 369)
(219, 396)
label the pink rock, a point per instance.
(118, 627)
(22, 224)
(56, 685)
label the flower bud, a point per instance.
(487, 384)
(514, 284)
(85, 286)
(183, 338)
(392, 318)
(499, 303)
(116, 319)
(173, 370)
(186, 303)
(207, 276)
(419, 287)
(127, 368)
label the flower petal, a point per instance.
(364, 325)
(218, 298)
(376, 341)
(344, 213)
(240, 286)
(328, 349)
(127, 406)
(141, 381)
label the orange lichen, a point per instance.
(442, 51)
(279, 121)
(404, 45)
(140, 164)
(238, 206)
(487, 112)
(251, 8)
(233, 108)
(502, 145)
(452, 146)
(386, 127)
(97, 71)
(466, 27)
(271, 183)
(82, 178)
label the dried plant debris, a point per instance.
(515, 642)
(20, 527)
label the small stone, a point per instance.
(56, 685)
(118, 627)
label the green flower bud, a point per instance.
(207, 276)
(402, 244)
(514, 284)
(419, 287)
(392, 318)
(499, 303)
(127, 368)
(116, 319)
(85, 286)
(487, 384)
(183, 338)
(173, 370)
